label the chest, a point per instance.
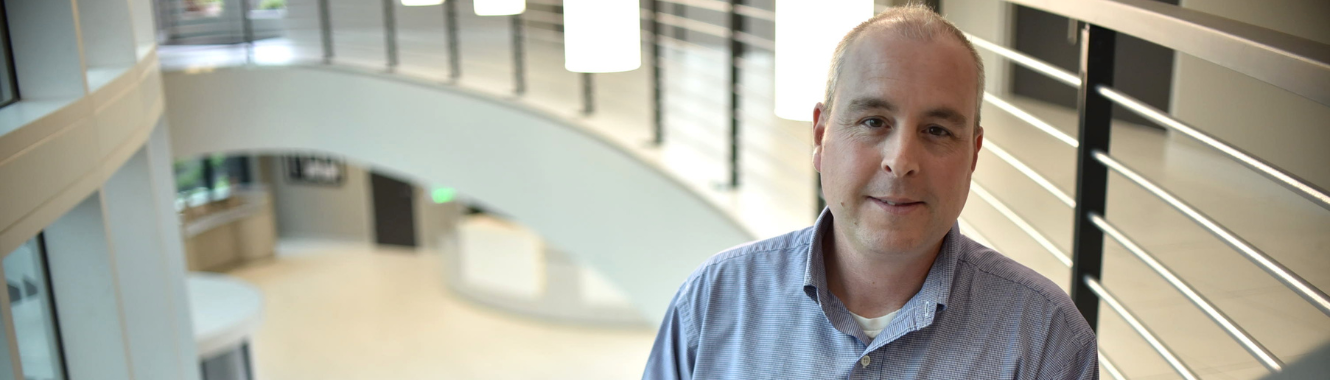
(796, 341)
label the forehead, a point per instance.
(917, 72)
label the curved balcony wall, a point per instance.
(621, 215)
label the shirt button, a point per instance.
(865, 361)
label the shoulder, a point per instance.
(755, 263)
(993, 277)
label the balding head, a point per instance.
(912, 21)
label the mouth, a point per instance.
(897, 205)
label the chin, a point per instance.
(894, 238)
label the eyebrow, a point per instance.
(861, 104)
(948, 114)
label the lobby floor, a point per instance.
(344, 311)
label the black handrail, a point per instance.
(1298, 185)
(1296, 64)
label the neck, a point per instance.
(872, 283)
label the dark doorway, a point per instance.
(1142, 69)
(394, 211)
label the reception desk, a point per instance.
(224, 234)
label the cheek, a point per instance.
(850, 166)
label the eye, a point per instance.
(938, 131)
(874, 122)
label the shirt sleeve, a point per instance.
(1079, 363)
(675, 351)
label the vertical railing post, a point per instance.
(588, 95)
(247, 30)
(1096, 113)
(736, 56)
(454, 52)
(325, 31)
(390, 32)
(657, 96)
(519, 56)
(246, 27)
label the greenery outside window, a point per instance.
(211, 178)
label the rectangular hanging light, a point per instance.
(421, 3)
(499, 7)
(807, 32)
(602, 36)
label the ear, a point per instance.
(819, 131)
(978, 144)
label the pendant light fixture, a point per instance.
(421, 3)
(602, 36)
(807, 32)
(499, 7)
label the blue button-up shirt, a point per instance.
(763, 311)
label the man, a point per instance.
(883, 285)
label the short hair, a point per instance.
(913, 21)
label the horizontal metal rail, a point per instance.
(1109, 367)
(1032, 120)
(693, 25)
(973, 233)
(1028, 62)
(1296, 64)
(714, 5)
(756, 41)
(1267, 358)
(1292, 182)
(1281, 273)
(756, 13)
(1029, 172)
(688, 47)
(1020, 223)
(1140, 328)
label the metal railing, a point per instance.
(1297, 65)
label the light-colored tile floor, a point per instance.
(351, 312)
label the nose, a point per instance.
(900, 154)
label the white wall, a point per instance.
(341, 212)
(1285, 129)
(80, 132)
(616, 213)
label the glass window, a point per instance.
(33, 311)
(208, 179)
(8, 83)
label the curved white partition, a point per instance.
(611, 210)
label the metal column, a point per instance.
(454, 52)
(325, 31)
(246, 26)
(588, 95)
(736, 56)
(519, 56)
(1096, 113)
(390, 32)
(658, 109)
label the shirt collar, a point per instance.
(936, 288)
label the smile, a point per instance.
(896, 205)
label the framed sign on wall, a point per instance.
(315, 170)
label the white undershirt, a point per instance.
(873, 326)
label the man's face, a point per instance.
(897, 150)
